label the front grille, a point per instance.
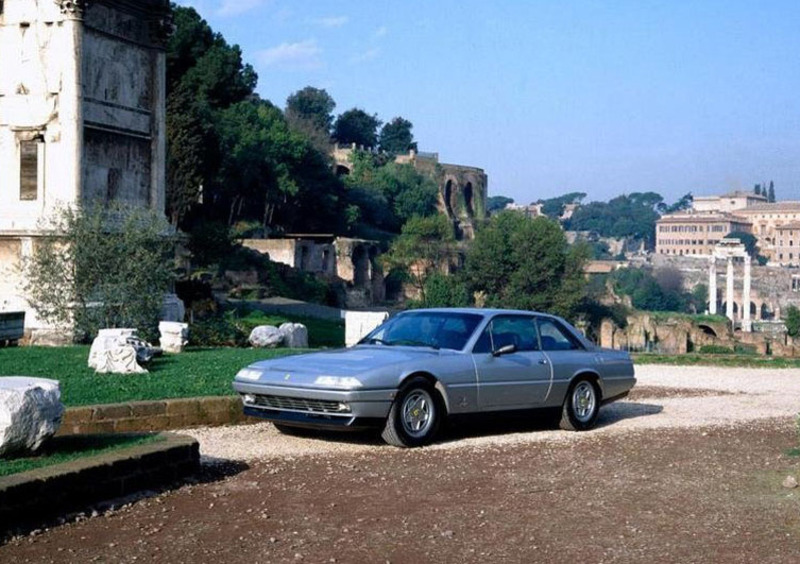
(300, 404)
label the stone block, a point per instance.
(265, 336)
(148, 408)
(112, 411)
(295, 335)
(174, 336)
(30, 413)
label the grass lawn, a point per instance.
(733, 360)
(66, 449)
(195, 372)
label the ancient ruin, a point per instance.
(82, 116)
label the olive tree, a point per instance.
(101, 266)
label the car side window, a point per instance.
(503, 330)
(555, 337)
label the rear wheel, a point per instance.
(581, 406)
(415, 415)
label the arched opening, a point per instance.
(765, 313)
(342, 170)
(448, 196)
(360, 266)
(468, 200)
(327, 262)
(707, 330)
(305, 256)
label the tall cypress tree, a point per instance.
(771, 192)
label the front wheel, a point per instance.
(581, 406)
(414, 416)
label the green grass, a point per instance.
(67, 449)
(697, 318)
(195, 372)
(732, 360)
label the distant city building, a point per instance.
(716, 216)
(727, 202)
(531, 210)
(766, 219)
(787, 244)
(693, 233)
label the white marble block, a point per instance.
(112, 353)
(30, 413)
(295, 335)
(174, 336)
(266, 336)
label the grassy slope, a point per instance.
(196, 372)
(67, 449)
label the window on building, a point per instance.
(29, 169)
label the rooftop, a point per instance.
(772, 207)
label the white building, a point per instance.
(82, 115)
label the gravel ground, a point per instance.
(707, 486)
(664, 397)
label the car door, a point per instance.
(515, 377)
(565, 352)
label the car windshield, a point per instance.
(438, 330)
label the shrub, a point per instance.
(792, 321)
(102, 266)
(715, 349)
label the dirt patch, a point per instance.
(658, 392)
(675, 495)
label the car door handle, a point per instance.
(542, 361)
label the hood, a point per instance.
(343, 362)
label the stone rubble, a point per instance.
(30, 413)
(120, 351)
(295, 335)
(265, 336)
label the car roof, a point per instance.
(477, 310)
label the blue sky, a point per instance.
(604, 97)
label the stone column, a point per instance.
(729, 291)
(746, 322)
(712, 286)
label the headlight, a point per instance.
(338, 382)
(248, 374)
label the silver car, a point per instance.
(423, 365)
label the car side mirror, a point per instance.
(507, 349)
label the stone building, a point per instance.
(787, 244)
(82, 115)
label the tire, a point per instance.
(581, 406)
(415, 415)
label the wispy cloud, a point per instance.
(332, 21)
(236, 7)
(299, 55)
(366, 56)
(380, 32)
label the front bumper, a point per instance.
(317, 408)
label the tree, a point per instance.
(311, 105)
(426, 245)
(757, 190)
(357, 126)
(524, 263)
(309, 112)
(749, 241)
(771, 192)
(554, 207)
(684, 203)
(497, 203)
(792, 321)
(204, 75)
(102, 266)
(396, 137)
(633, 216)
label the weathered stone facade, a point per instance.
(82, 115)
(355, 261)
